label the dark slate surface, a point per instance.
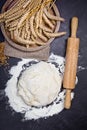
(76, 117)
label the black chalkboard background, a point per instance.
(76, 117)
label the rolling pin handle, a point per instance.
(74, 26)
(67, 104)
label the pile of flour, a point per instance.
(16, 102)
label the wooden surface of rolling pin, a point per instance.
(71, 62)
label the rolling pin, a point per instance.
(71, 61)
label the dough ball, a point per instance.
(39, 84)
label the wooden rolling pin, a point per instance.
(71, 62)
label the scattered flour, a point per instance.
(82, 63)
(16, 102)
(80, 68)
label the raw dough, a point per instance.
(39, 84)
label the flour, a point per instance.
(80, 68)
(16, 102)
(82, 63)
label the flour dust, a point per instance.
(16, 102)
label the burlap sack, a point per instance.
(41, 54)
